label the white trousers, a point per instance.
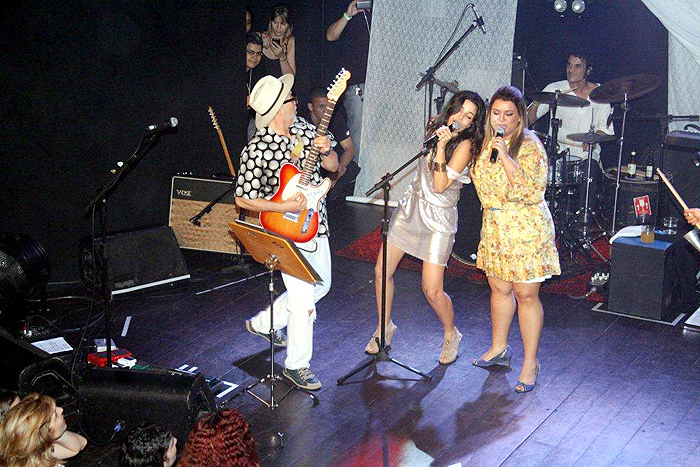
(296, 307)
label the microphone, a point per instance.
(479, 19)
(172, 123)
(433, 139)
(500, 131)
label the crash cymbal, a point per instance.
(634, 86)
(590, 137)
(563, 100)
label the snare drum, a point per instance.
(568, 171)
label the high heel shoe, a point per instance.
(527, 387)
(372, 347)
(502, 359)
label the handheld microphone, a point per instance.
(172, 123)
(479, 19)
(433, 139)
(500, 131)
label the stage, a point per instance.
(612, 390)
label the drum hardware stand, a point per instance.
(275, 252)
(586, 213)
(625, 107)
(383, 354)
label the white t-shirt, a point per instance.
(578, 120)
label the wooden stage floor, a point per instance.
(612, 390)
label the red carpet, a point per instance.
(366, 248)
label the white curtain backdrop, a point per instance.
(407, 36)
(682, 19)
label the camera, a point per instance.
(364, 5)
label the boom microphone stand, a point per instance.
(383, 354)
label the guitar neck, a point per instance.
(314, 153)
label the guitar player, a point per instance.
(283, 137)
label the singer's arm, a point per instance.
(458, 162)
(527, 174)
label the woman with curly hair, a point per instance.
(425, 223)
(220, 439)
(33, 434)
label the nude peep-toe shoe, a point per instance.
(448, 354)
(372, 347)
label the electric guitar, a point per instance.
(302, 226)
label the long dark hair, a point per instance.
(475, 131)
(510, 94)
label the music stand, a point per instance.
(275, 252)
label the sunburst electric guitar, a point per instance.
(302, 226)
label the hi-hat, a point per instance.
(633, 86)
(590, 137)
(564, 100)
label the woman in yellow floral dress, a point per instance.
(517, 250)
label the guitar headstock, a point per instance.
(214, 121)
(340, 83)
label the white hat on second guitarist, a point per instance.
(267, 97)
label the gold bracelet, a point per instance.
(439, 166)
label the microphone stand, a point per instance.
(429, 76)
(383, 354)
(147, 142)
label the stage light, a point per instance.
(577, 6)
(24, 269)
(560, 6)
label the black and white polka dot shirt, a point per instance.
(263, 157)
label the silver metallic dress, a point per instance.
(424, 224)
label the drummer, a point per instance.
(579, 119)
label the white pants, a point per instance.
(296, 307)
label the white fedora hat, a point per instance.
(267, 97)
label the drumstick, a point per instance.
(671, 189)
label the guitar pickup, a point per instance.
(307, 221)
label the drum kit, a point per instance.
(580, 230)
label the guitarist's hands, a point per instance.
(323, 143)
(294, 204)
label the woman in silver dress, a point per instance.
(425, 223)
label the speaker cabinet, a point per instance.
(188, 196)
(652, 280)
(116, 400)
(682, 165)
(136, 260)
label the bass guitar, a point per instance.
(302, 226)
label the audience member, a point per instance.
(278, 43)
(253, 55)
(248, 19)
(34, 433)
(338, 127)
(220, 439)
(8, 399)
(348, 46)
(148, 446)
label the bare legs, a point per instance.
(432, 283)
(504, 296)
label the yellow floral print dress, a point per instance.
(517, 233)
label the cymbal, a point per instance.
(451, 86)
(590, 137)
(564, 100)
(634, 86)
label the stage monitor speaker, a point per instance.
(112, 401)
(682, 165)
(652, 280)
(137, 260)
(188, 196)
(26, 368)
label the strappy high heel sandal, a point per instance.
(372, 347)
